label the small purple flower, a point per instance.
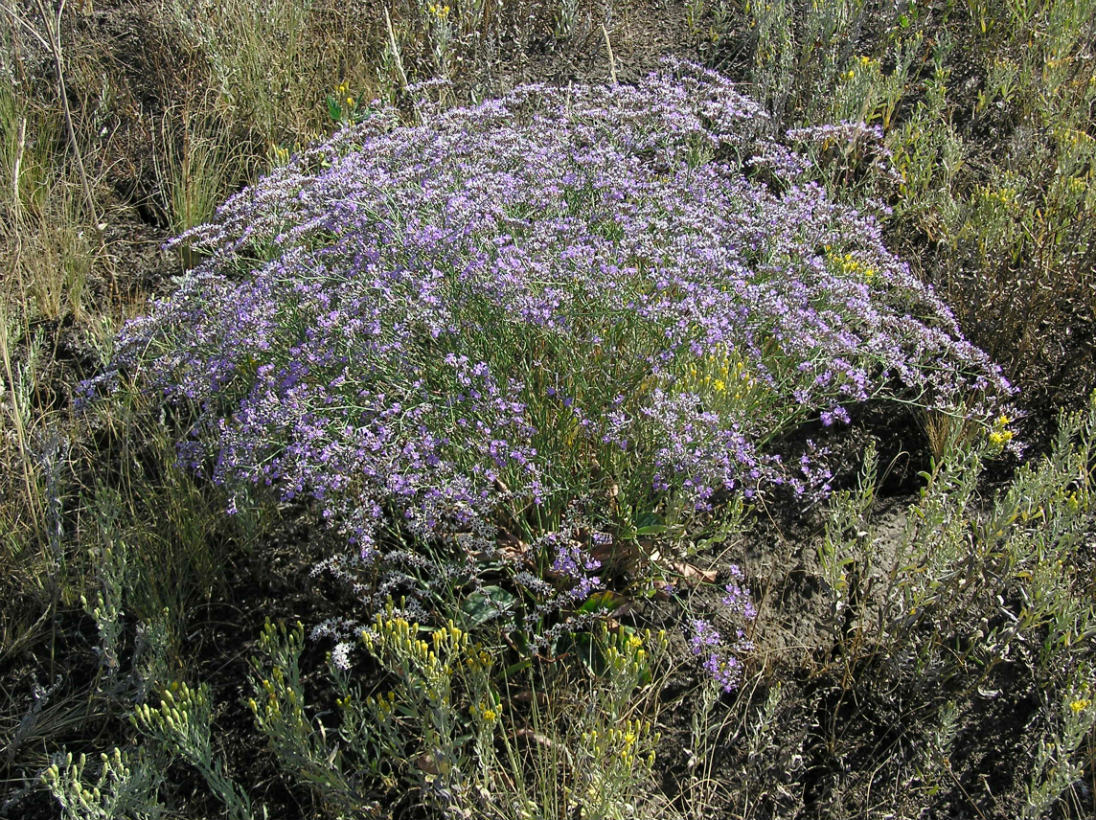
(704, 637)
(738, 599)
(573, 562)
(725, 671)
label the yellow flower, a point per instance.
(1000, 434)
(1080, 705)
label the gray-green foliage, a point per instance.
(124, 787)
(182, 726)
(978, 596)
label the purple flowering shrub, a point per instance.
(620, 298)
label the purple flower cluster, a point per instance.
(469, 324)
(738, 600)
(575, 564)
(720, 658)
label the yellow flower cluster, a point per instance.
(279, 155)
(343, 95)
(1000, 435)
(439, 11)
(625, 742)
(278, 693)
(382, 705)
(1080, 705)
(1073, 136)
(342, 88)
(66, 775)
(1006, 195)
(446, 656)
(486, 712)
(861, 63)
(723, 373)
(848, 264)
(626, 653)
(181, 710)
(479, 660)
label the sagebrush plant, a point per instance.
(980, 597)
(564, 19)
(259, 59)
(605, 325)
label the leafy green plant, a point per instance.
(344, 107)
